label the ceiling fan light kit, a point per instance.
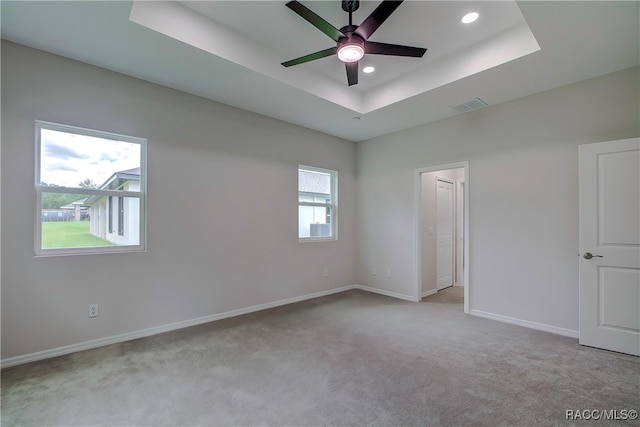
(350, 53)
(352, 40)
(351, 50)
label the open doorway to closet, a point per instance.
(441, 232)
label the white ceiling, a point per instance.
(231, 52)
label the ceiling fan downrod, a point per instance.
(350, 6)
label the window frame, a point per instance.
(333, 205)
(39, 251)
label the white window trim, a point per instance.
(334, 205)
(39, 189)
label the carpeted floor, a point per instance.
(347, 359)
(450, 295)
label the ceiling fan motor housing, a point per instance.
(351, 36)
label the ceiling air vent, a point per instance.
(474, 104)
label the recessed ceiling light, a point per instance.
(470, 17)
(368, 69)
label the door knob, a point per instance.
(589, 255)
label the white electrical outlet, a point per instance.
(93, 310)
(325, 273)
(374, 271)
(389, 273)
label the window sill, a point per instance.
(316, 239)
(45, 253)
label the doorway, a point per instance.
(442, 230)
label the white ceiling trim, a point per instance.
(188, 26)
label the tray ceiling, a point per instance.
(230, 52)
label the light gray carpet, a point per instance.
(450, 295)
(348, 359)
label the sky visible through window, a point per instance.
(67, 159)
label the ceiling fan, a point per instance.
(352, 40)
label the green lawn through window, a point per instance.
(69, 234)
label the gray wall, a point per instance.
(222, 208)
(523, 187)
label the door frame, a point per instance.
(417, 226)
(460, 190)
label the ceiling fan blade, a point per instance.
(377, 17)
(376, 48)
(315, 20)
(312, 57)
(352, 73)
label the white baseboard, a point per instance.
(88, 345)
(385, 292)
(431, 292)
(526, 323)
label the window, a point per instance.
(79, 172)
(317, 207)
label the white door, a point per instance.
(609, 243)
(445, 226)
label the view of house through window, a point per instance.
(90, 191)
(316, 203)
